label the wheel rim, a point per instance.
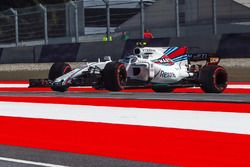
(66, 69)
(122, 76)
(220, 79)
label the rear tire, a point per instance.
(114, 76)
(162, 88)
(57, 70)
(213, 79)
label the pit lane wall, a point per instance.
(226, 46)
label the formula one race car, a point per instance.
(161, 68)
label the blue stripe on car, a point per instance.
(180, 58)
(170, 50)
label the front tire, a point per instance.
(213, 79)
(57, 70)
(114, 76)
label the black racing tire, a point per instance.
(162, 88)
(213, 79)
(114, 76)
(57, 70)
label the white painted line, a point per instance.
(231, 86)
(14, 85)
(29, 162)
(227, 122)
(239, 86)
(26, 86)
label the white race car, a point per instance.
(161, 68)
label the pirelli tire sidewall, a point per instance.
(213, 79)
(57, 70)
(114, 76)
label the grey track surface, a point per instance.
(206, 97)
(64, 159)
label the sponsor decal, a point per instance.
(214, 60)
(164, 74)
(157, 74)
(148, 50)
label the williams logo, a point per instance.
(167, 75)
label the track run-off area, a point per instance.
(184, 128)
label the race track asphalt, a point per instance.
(204, 97)
(79, 160)
(63, 159)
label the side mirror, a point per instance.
(107, 58)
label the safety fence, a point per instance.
(92, 20)
(225, 46)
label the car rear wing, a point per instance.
(210, 58)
